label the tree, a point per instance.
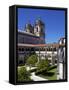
(31, 61)
(43, 64)
(23, 74)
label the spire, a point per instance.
(39, 21)
(29, 27)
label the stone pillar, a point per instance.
(45, 53)
(24, 53)
(39, 53)
(60, 65)
(57, 64)
(52, 56)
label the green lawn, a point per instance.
(51, 75)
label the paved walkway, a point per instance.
(29, 68)
(37, 78)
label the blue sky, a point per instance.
(54, 22)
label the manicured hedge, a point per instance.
(32, 70)
(52, 67)
(44, 70)
(41, 71)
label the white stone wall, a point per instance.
(61, 60)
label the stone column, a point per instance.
(24, 53)
(39, 53)
(52, 56)
(57, 48)
(45, 53)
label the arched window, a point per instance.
(19, 49)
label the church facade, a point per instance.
(32, 34)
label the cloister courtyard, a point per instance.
(37, 64)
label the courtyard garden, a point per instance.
(37, 71)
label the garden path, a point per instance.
(37, 78)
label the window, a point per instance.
(19, 49)
(37, 29)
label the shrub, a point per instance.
(32, 70)
(41, 71)
(32, 60)
(45, 70)
(23, 74)
(52, 67)
(43, 64)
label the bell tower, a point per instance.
(39, 30)
(29, 28)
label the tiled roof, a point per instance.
(40, 45)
